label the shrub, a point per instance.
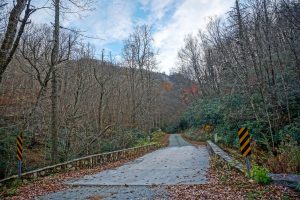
(288, 156)
(260, 175)
(215, 114)
(121, 138)
(198, 134)
(183, 124)
(298, 187)
(141, 142)
(8, 151)
(158, 136)
(292, 130)
(172, 128)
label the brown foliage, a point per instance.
(226, 183)
(167, 86)
(41, 186)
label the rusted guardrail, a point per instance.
(85, 162)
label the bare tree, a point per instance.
(139, 58)
(253, 52)
(14, 30)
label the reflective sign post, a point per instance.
(19, 168)
(245, 147)
(248, 165)
(19, 153)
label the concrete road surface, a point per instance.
(180, 163)
(176, 140)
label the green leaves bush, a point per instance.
(8, 150)
(298, 186)
(155, 137)
(230, 112)
(158, 136)
(288, 156)
(260, 175)
(220, 112)
(172, 128)
(197, 135)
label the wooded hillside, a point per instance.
(75, 104)
(248, 71)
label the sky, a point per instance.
(110, 22)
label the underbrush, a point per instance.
(260, 175)
(158, 137)
(224, 182)
(275, 143)
(199, 134)
(287, 159)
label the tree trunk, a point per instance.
(10, 35)
(54, 57)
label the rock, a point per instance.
(251, 181)
(289, 180)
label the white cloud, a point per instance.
(68, 17)
(42, 16)
(158, 8)
(115, 21)
(111, 20)
(189, 17)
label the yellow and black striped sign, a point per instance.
(19, 147)
(245, 140)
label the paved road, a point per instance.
(176, 140)
(109, 193)
(180, 163)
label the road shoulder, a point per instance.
(227, 183)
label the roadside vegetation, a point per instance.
(157, 137)
(227, 183)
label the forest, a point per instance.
(247, 68)
(243, 70)
(67, 103)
